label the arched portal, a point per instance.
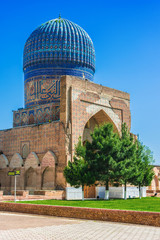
(97, 119)
(48, 179)
(30, 179)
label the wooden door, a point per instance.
(89, 191)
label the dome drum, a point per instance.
(56, 48)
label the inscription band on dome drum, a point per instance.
(57, 47)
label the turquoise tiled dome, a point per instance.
(61, 45)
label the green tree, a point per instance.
(143, 169)
(126, 159)
(101, 154)
(77, 173)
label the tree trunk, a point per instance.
(125, 191)
(139, 191)
(82, 193)
(106, 192)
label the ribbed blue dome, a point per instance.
(60, 43)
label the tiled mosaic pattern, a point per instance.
(61, 43)
(42, 90)
(36, 115)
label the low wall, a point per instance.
(24, 195)
(20, 193)
(135, 217)
(151, 193)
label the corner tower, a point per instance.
(56, 48)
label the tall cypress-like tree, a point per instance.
(77, 173)
(126, 159)
(143, 169)
(101, 154)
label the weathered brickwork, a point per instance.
(134, 217)
(155, 184)
(16, 161)
(41, 151)
(83, 101)
(122, 109)
(37, 114)
(43, 167)
(61, 104)
(49, 159)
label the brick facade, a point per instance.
(46, 149)
(36, 114)
(41, 151)
(84, 100)
(155, 184)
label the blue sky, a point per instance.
(126, 36)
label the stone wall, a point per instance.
(134, 217)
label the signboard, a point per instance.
(11, 173)
(17, 172)
(14, 173)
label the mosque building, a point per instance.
(62, 102)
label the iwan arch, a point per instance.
(61, 103)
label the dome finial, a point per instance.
(59, 16)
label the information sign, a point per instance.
(14, 173)
(11, 173)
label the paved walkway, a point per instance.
(16, 226)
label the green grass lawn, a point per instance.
(145, 204)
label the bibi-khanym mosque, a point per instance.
(61, 103)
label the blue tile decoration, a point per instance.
(37, 114)
(57, 47)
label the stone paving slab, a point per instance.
(10, 221)
(48, 228)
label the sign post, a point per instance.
(15, 188)
(14, 173)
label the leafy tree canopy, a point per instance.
(77, 173)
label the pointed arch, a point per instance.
(48, 178)
(32, 161)
(98, 118)
(30, 179)
(110, 114)
(49, 159)
(16, 161)
(3, 161)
